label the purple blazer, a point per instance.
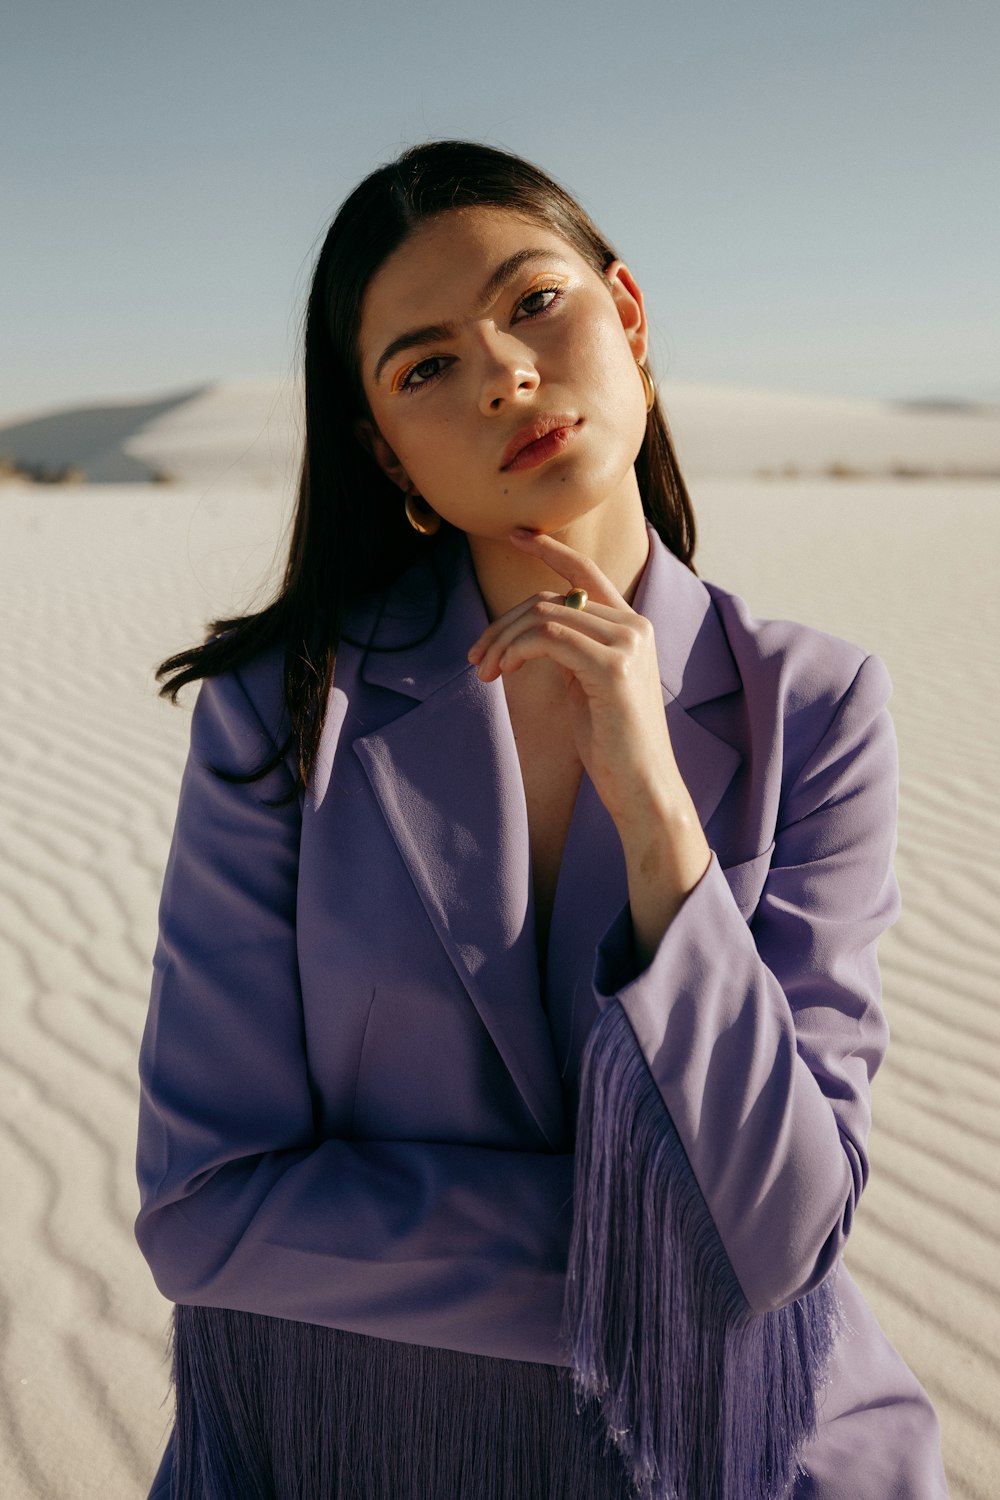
(360, 1098)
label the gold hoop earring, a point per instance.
(426, 521)
(650, 388)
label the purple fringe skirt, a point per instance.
(275, 1410)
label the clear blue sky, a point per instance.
(807, 193)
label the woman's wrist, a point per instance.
(666, 855)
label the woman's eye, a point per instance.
(552, 293)
(425, 371)
(540, 300)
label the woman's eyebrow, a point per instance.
(433, 333)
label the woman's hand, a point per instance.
(607, 653)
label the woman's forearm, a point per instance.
(666, 854)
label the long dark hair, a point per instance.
(349, 532)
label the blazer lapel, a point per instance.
(447, 778)
(696, 666)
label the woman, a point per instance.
(505, 1081)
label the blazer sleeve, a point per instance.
(242, 1205)
(763, 1039)
(721, 1138)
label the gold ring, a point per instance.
(576, 599)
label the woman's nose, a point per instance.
(508, 370)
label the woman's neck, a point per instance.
(619, 544)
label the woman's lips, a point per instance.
(545, 447)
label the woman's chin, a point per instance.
(564, 512)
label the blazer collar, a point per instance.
(692, 652)
(448, 780)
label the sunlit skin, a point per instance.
(557, 338)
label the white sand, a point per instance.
(99, 583)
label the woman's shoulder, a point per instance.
(241, 710)
(803, 670)
(247, 698)
(809, 696)
(715, 643)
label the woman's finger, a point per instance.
(579, 570)
(579, 652)
(479, 649)
(551, 621)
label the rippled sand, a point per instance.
(99, 583)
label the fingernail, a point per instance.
(523, 533)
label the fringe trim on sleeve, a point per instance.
(705, 1399)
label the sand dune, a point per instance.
(774, 433)
(100, 582)
(89, 438)
(249, 432)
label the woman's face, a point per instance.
(479, 326)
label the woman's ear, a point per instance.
(374, 443)
(628, 299)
